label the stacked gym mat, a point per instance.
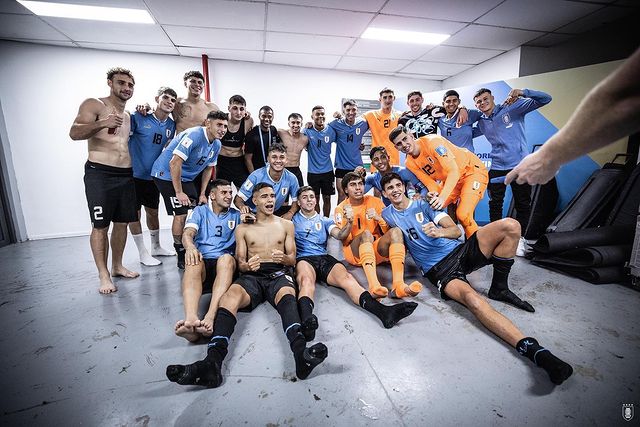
(592, 238)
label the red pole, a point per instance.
(205, 71)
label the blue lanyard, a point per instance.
(264, 155)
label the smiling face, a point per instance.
(265, 200)
(380, 160)
(295, 123)
(216, 128)
(485, 102)
(451, 104)
(318, 118)
(121, 86)
(394, 191)
(194, 86)
(415, 103)
(166, 102)
(277, 160)
(221, 196)
(405, 142)
(266, 118)
(350, 113)
(307, 201)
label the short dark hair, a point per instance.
(414, 92)
(217, 115)
(450, 93)
(348, 177)
(277, 146)
(119, 70)
(387, 90)
(294, 116)
(212, 185)
(168, 91)
(237, 99)
(190, 74)
(375, 149)
(481, 91)
(259, 186)
(265, 108)
(351, 102)
(388, 178)
(303, 189)
(396, 131)
(317, 107)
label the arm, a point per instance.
(291, 212)
(289, 245)
(446, 227)
(240, 204)
(526, 100)
(248, 161)
(619, 94)
(206, 178)
(342, 233)
(453, 175)
(192, 255)
(244, 264)
(86, 123)
(175, 166)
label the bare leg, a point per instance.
(341, 195)
(99, 242)
(118, 240)
(191, 293)
(224, 275)
(326, 206)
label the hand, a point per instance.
(417, 196)
(143, 109)
(431, 106)
(247, 114)
(287, 216)
(337, 115)
(431, 230)
(371, 213)
(183, 199)
(254, 263)
(533, 169)
(277, 255)
(202, 200)
(113, 120)
(437, 202)
(348, 213)
(513, 95)
(431, 195)
(463, 116)
(192, 256)
(247, 217)
(308, 125)
(360, 170)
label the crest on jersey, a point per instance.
(318, 226)
(284, 191)
(506, 119)
(420, 217)
(627, 411)
(441, 150)
(231, 224)
(167, 132)
(248, 185)
(475, 185)
(357, 131)
(186, 142)
(326, 139)
(338, 218)
(433, 162)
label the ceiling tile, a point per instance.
(209, 13)
(417, 24)
(459, 10)
(491, 37)
(301, 59)
(14, 7)
(110, 32)
(421, 76)
(435, 68)
(129, 4)
(384, 49)
(231, 54)
(355, 5)
(287, 42)
(313, 20)
(603, 16)
(163, 50)
(541, 15)
(460, 55)
(549, 40)
(48, 42)
(27, 27)
(371, 64)
(215, 38)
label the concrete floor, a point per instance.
(73, 357)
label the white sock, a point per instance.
(156, 249)
(145, 257)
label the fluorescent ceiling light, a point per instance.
(404, 36)
(95, 13)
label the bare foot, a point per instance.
(107, 286)
(186, 332)
(206, 327)
(121, 271)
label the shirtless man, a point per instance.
(192, 111)
(295, 141)
(209, 242)
(105, 124)
(266, 253)
(231, 159)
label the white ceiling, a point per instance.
(325, 33)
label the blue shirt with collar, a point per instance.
(285, 187)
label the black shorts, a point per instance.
(297, 172)
(233, 169)
(111, 194)
(264, 284)
(174, 207)
(322, 183)
(147, 194)
(340, 173)
(322, 264)
(461, 261)
(210, 267)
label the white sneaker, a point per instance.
(522, 247)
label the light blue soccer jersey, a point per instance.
(311, 234)
(348, 140)
(285, 187)
(193, 147)
(147, 138)
(320, 149)
(462, 136)
(426, 251)
(410, 180)
(215, 233)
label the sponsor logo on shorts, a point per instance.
(186, 142)
(288, 278)
(420, 217)
(441, 150)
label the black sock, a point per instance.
(388, 314)
(223, 326)
(501, 269)
(288, 311)
(309, 322)
(557, 370)
(180, 252)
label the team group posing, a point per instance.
(272, 250)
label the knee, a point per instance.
(226, 262)
(366, 236)
(511, 227)
(474, 302)
(464, 216)
(231, 298)
(396, 235)
(305, 283)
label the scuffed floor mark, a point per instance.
(90, 368)
(369, 411)
(124, 368)
(150, 360)
(41, 350)
(97, 337)
(585, 371)
(348, 327)
(44, 402)
(144, 419)
(249, 349)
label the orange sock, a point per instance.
(368, 261)
(396, 257)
